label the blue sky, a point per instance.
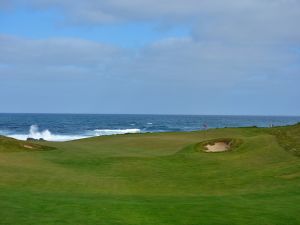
(29, 23)
(165, 57)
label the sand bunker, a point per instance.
(28, 146)
(217, 147)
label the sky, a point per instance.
(220, 57)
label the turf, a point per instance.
(157, 179)
(12, 145)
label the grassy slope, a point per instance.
(12, 145)
(156, 179)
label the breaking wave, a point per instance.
(35, 133)
(99, 132)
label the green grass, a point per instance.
(12, 145)
(156, 179)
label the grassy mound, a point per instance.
(288, 138)
(159, 178)
(13, 145)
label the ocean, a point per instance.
(64, 127)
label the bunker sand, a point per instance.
(217, 147)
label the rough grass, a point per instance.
(155, 179)
(288, 138)
(12, 145)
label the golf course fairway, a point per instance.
(154, 178)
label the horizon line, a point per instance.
(149, 114)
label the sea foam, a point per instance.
(103, 132)
(35, 133)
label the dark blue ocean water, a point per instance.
(59, 127)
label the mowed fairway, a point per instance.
(157, 179)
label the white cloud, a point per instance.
(225, 20)
(241, 48)
(72, 52)
(180, 60)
